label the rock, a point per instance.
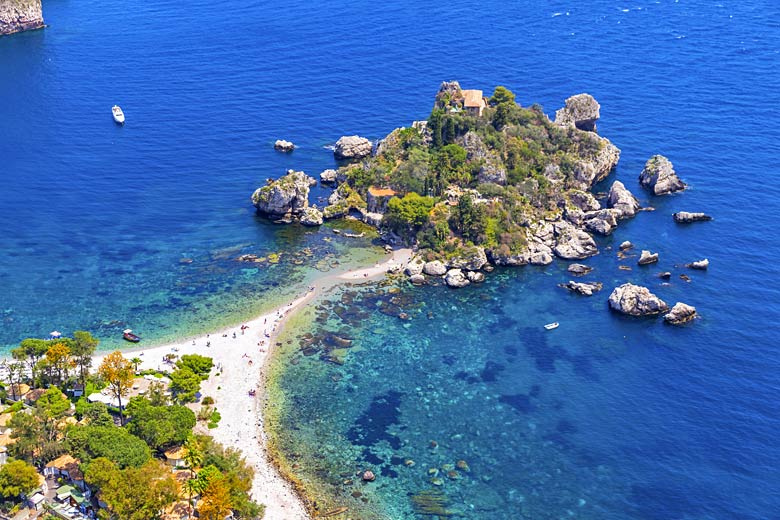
(471, 258)
(685, 278)
(20, 15)
(415, 266)
(352, 147)
(289, 195)
(573, 243)
(579, 269)
(372, 219)
(455, 278)
(434, 268)
(702, 265)
(586, 173)
(622, 200)
(684, 217)
(585, 289)
(583, 200)
(665, 275)
(378, 198)
(636, 300)
(626, 245)
(602, 222)
(417, 279)
(680, 313)
(659, 176)
(284, 146)
(328, 176)
(311, 217)
(475, 277)
(492, 171)
(368, 476)
(581, 111)
(647, 257)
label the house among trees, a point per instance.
(31, 397)
(474, 102)
(67, 467)
(175, 456)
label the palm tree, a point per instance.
(194, 455)
(194, 487)
(136, 361)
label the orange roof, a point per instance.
(69, 464)
(34, 395)
(472, 98)
(6, 440)
(381, 192)
(177, 452)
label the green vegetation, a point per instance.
(466, 179)
(17, 477)
(159, 426)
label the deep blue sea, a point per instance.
(605, 417)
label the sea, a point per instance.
(460, 402)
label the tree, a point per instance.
(469, 218)
(502, 95)
(136, 361)
(133, 493)
(84, 346)
(159, 426)
(96, 414)
(58, 359)
(37, 434)
(31, 351)
(215, 503)
(16, 478)
(200, 365)
(185, 384)
(410, 212)
(115, 444)
(238, 475)
(117, 371)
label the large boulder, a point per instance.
(286, 196)
(352, 147)
(622, 200)
(585, 289)
(415, 266)
(603, 221)
(581, 111)
(680, 313)
(646, 257)
(573, 243)
(456, 278)
(328, 176)
(475, 276)
(636, 300)
(20, 15)
(434, 268)
(579, 269)
(311, 217)
(685, 217)
(702, 265)
(536, 253)
(284, 146)
(471, 258)
(659, 176)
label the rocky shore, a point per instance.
(20, 15)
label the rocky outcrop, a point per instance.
(20, 15)
(352, 147)
(602, 222)
(342, 201)
(456, 278)
(647, 257)
(415, 266)
(328, 176)
(573, 243)
(701, 265)
(475, 276)
(284, 146)
(311, 217)
(579, 269)
(680, 313)
(434, 268)
(659, 176)
(622, 200)
(287, 196)
(472, 258)
(685, 217)
(587, 173)
(585, 289)
(636, 300)
(581, 111)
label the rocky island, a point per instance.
(20, 15)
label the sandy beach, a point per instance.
(239, 357)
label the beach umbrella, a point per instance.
(55, 334)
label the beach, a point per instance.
(240, 353)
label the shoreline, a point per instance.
(240, 360)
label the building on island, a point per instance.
(474, 102)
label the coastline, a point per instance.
(241, 360)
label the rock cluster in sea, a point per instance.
(659, 176)
(20, 15)
(286, 198)
(352, 147)
(284, 146)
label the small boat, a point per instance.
(129, 336)
(119, 116)
(551, 326)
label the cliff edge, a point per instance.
(20, 15)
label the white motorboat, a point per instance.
(551, 326)
(119, 116)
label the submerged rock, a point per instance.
(702, 265)
(636, 300)
(585, 289)
(647, 257)
(284, 146)
(680, 313)
(659, 176)
(579, 269)
(581, 111)
(352, 147)
(685, 217)
(368, 476)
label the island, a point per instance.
(20, 15)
